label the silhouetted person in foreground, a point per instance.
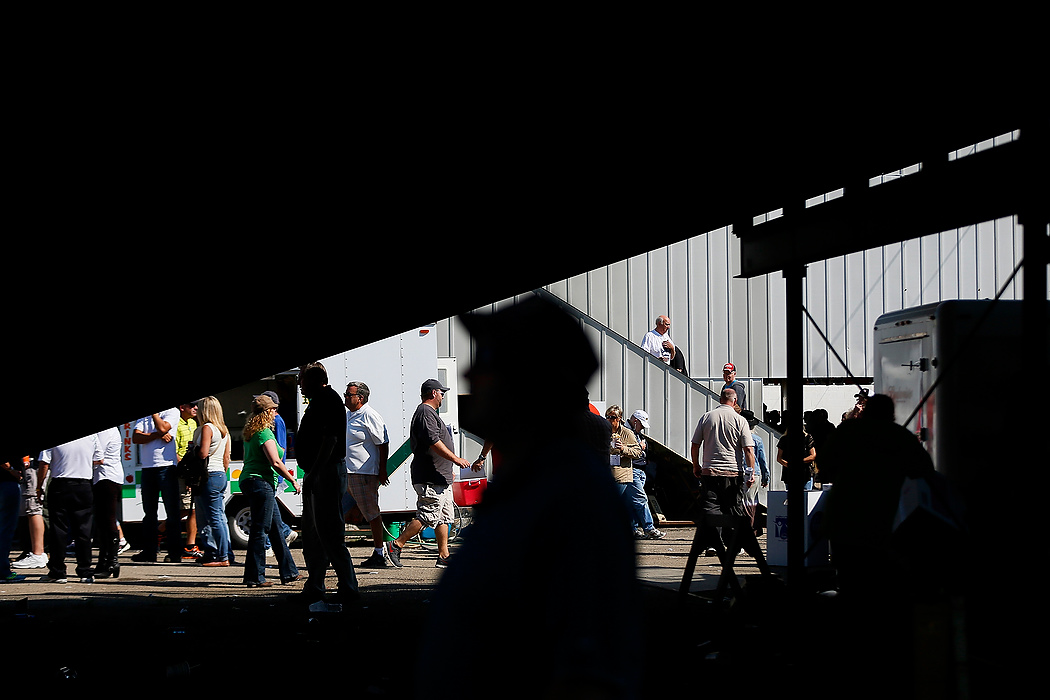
(321, 449)
(877, 632)
(870, 457)
(572, 631)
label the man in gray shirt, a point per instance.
(433, 461)
(721, 435)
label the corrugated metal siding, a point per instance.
(717, 317)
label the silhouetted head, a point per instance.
(878, 407)
(312, 377)
(749, 416)
(529, 356)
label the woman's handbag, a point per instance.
(192, 469)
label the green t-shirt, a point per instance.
(256, 464)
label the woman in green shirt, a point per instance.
(258, 481)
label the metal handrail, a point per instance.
(637, 350)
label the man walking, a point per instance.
(320, 452)
(433, 460)
(720, 435)
(731, 382)
(657, 342)
(367, 449)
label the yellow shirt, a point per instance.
(183, 435)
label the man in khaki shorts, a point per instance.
(367, 449)
(433, 460)
(33, 476)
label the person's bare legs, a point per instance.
(441, 535)
(411, 530)
(35, 523)
(378, 531)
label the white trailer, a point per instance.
(970, 353)
(394, 369)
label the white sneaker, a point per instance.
(124, 546)
(292, 536)
(30, 561)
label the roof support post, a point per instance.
(796, 510)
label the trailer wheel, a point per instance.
(239, 516)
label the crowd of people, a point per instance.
(82, 480)
(342, 446)
(799, 456)
(342, 450)
(80, 484)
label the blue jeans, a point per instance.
(10, 509)
(285, 529)
(212, 527)
(162, 483)
(638, 502)
(261, 501)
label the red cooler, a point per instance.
(468, 493)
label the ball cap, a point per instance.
(729, 367)
(272, 394)
(642, 418)
(430, 385)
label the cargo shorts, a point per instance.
(32, 504)
(434, 504)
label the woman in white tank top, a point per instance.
(212, 441)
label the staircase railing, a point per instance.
(633, 379)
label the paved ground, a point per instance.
(184, 625)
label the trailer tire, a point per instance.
(239, 516)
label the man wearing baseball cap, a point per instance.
(729, 375)
(433, 460)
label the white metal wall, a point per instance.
(717, 317)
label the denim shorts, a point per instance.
(434, 504)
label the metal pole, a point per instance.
(796, 511)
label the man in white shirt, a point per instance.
(107, 480)
(657, 342)
(155, 436)
(69, 504)
(367, 449)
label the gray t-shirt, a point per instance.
(426, 429)
(741, 392)
(721, 433)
